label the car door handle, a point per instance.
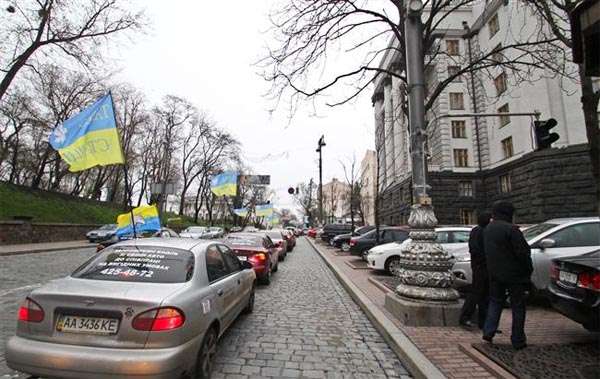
(220, 292)
(239, 282)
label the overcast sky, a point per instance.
(204, 51)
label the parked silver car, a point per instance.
(561, 237)
(214, 232)
(149, 308)
(194, 232)
(103, 233)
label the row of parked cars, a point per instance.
(151, 307)
(565, 254)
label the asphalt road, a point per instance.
(304, 324)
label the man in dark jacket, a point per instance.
(478, 296)
(508, 258)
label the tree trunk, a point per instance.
(35, 182)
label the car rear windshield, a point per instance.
(244, 240)
(275, 235)
(195, 230)
(151, 264)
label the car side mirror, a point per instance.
(547, 243)
(246, 265)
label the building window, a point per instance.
(507, 147)
(465, 189)
(457, 101)
(453, 70)
(452, 47)
(500, 83)
(504, 120)
(461, 158)
(505, 186)
(458, 129)
(494, 25)
(467, 217)
(498, 55)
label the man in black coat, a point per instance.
(478, 296)
(508, 258)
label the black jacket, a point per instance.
(477, 250)
(508, 254)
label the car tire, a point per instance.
(266, 280)
(282, 257)
(250, 307)
(345, 246)
(206, 354)
(276, 268)
(391, 263)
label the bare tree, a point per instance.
(305, 198)
(72, 29)
(553, 19)
(351, 174)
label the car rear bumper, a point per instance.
(261, 271)
(53, 360)
(585, 314)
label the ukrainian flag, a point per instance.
(265, 210)
(146, 220)
(242, 212)
(225, 184)
(89, 138)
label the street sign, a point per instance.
(261, 180)
(157, 188)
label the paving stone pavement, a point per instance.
(305, 325)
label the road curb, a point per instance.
(416, 362)
(43, 250)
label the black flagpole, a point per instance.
(127, 190)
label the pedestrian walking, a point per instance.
(508, 258)
(478, 297)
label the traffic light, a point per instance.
(543, 138)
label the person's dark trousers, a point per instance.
(477, 298)
(517, 303)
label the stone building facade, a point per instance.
(475, 161)
(368, 180)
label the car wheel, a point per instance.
(206, 354)
(282, 257)
(250, 307)
(276, 266)
(345, 246)
(392, 264)
(266, 280)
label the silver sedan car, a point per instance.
(147, 308)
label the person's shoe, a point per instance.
(487, 338)
(520, 346)
(466, 324)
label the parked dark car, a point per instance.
(361, 244)
(575, 288)
(259, 250)
(332, 230)
(342, 241)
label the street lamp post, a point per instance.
(321, 143)
(425, 293)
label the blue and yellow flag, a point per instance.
(89, 138)
(265, 210)
(146, 220)
(224, 184)
(242, 212)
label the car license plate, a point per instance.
(567, 277)
(87, 325)
(242, 258)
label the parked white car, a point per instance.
(556, 238)
(196, 232)
(386, 257)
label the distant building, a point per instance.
(368, 179)
(475, 161)
(336, 201)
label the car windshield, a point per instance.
(108, 227)
(536, 230)
(151, 264)
(275, 235)
(196, 229)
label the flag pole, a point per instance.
(125, 171)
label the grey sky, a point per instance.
(204, 51)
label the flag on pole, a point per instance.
(264, 210)
(90, 138)
(242, 212)
(145, 217)
(224, 184)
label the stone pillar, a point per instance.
(390, 153)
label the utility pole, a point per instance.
(321, 143)
(425, 295)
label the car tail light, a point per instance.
(352, 242)
(554, 272)
(261, 257)
(31, 311)
(279, 244)
(589, 280)
(159, 319)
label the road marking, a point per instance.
(31, 286)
